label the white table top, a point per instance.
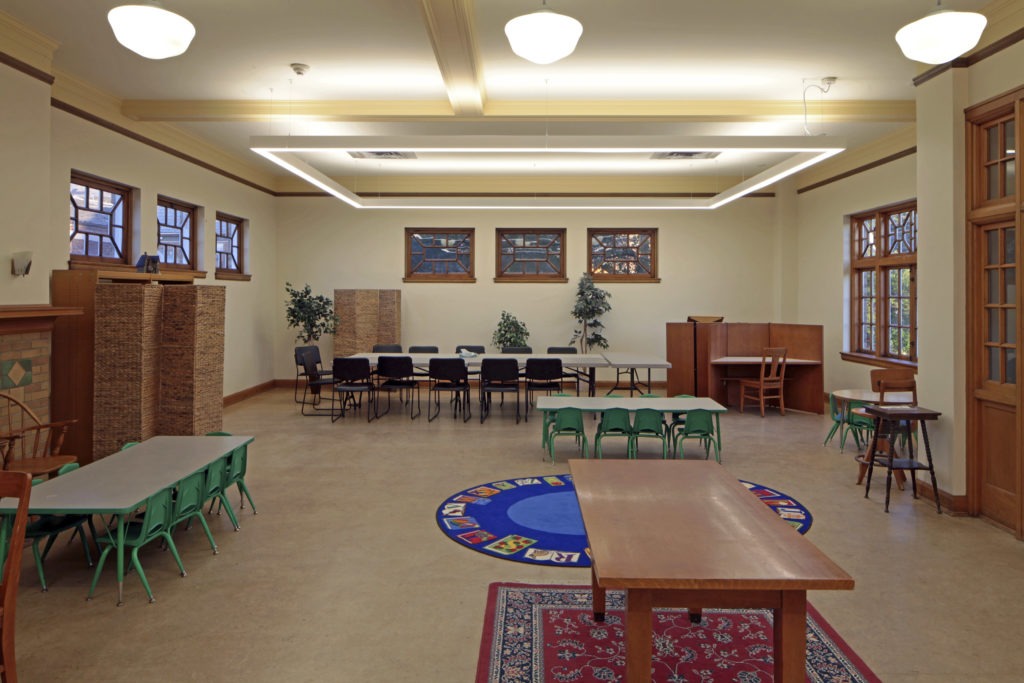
(583, 360)
(627, 359)
(119, 483)
(756, 360)
(602, 403)
(868, 396)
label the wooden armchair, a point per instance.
(768, 385)
(32, 446)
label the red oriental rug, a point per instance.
(543, 634)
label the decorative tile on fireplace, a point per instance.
(15, 373)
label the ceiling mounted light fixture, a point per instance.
(941, 36)
(543, 37)
(151, 31)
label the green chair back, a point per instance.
(568, 422)
(648, 423)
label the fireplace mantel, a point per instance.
(20, 318)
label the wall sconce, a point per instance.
(21, 263)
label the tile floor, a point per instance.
(343, 575)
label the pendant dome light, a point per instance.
(543, 37)
(151, 31)
(941, 36)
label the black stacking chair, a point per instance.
(449, 375)
(541, 374)
(316, 381)
(396, 374)
(568, 373)
(300, 368)
(498, 376)
(420, 370)
(353, 376)
(517, 349)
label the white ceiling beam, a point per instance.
(450, 27)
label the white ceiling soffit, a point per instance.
(299, 155)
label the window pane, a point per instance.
(992, 181)
(994, 150)
(992, 240)
(533, 253)
(993, 325)
(992, 296)
(1011, 325)
(439, 253)
(1011, 366)
(623, 253)
(1009, 245)
(97, 217)
(993, 365)
(1009, 137)
(1010, 285)
(1011, 176)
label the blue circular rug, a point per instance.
(537, 519)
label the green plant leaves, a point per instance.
(313, 315)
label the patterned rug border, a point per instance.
(817, 626)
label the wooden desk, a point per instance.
(119, 484)
(628, 364)
(804, 387)
(688, 534)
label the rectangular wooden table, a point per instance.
(119, 484)
(804, 388)
(688, 534)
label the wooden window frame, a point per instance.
(469, 237)
(502, 245)
(125, 247)
(881, 264)
(649, 277)
(192, 210)
(242, 232)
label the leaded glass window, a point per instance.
(228, 248)
(623, 254)
(175, 233)
(100, 216)
(439, 254)
(530, 254)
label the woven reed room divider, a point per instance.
(366, 317)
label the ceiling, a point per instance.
(647, 75)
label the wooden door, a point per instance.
(994, 456)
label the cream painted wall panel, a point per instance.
(709, 263)
(823, 261)
(249, 323)
(24, 175)
(995, 75)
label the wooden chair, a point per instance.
(12, 541)
(33, 447)
(887, 381)
(768, 384)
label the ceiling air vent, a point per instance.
(382, 155)
(684, 156)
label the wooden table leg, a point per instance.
(598, 595)
(639, 634)
(790, 626)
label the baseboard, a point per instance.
(952, 505)
(240, 396)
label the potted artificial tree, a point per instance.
(313, 315)
(591, 304)
(510, 332)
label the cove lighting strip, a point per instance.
(290, 152)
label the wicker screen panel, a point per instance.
(127, 367)
(366, 317)
(192, 359)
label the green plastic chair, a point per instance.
(614, 422)
(216, 488)
(549, 422)
(700, 425)
(649, 424)
(678, 420)
(49, 527)
(155, 522)
(188, 504)
(237, 467)
(568, 422)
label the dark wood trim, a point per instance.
(515, 195)
(955, 506)
(875, 361)
(92, 118)
(531, 278)
(239, 396)
(971, 59)
(26, 69)
(229, 275)
(860, 169)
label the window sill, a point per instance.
(227, 275)
(875, 361)
(627, 279)
(442, 279)
(530, 278)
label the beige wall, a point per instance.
(710, 262)
(24, 170)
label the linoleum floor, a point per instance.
(343, 575)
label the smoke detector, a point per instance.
(300, 69)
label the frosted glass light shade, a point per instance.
(544, 36)
(941, 36)
(151, 31)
